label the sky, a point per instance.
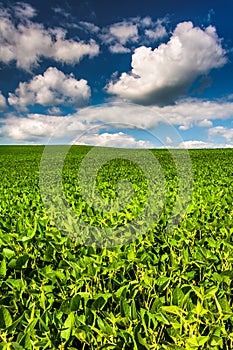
(139, 74)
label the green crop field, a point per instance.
(160, 290)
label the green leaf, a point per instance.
(133, 310)
(3, 268)
(177, 296)
(21, 261)
(202, 340)
(162, 318)
(14, 324)
(99, 303)
(121, 292)
(163, 283)
(17, 346)
(8, 253)
(75, 302)
(192, 342)
(211, 292)
(5, 317)
(104, 326)
(27, 342)
(172, 309)
(67, 327)
(124, 307)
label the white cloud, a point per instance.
(160, 76)
(131, 31)
(51, 88)
(2, 102)
(203, 144)
(184, 127)
(39, 128)
(186, 113)
(123, 116)
(205, 123)
(70, 51)
(157, 30)
(28, 129)
(124, 32)
(118, 48)
(168, 140)
(27, 42)
(146, 21)
(24, 11)
(36, 128)
(90, 27)
(158, 33)
(221, 131)
(54, 111)
(61, 11)
(117, 35)
(119, 140)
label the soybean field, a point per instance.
(162, 289)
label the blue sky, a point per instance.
(124, 74)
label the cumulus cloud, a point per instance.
(70, 51)
(39, 128)
(116, 115)
(118, 48)
(145, 21)
(124, 31)
(121, 36)
(162, 75)
(202, 144)
(50, 89)
(156, 30)
(158, 33)
(2, 102)
(186, 113)
(54, 111)
(119, 140)
(61, 11)
(24, 11)
(26, 42)
(27, 129)
(89, 27)
(205, 123)
(226, 133)
(121, 115)
(168, 140)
